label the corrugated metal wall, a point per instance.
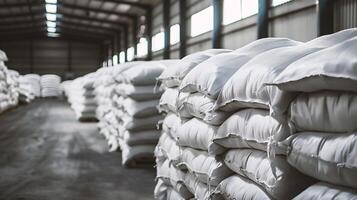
(52, 55)
(345, 14)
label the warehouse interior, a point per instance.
(178, 99)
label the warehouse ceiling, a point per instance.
(72, 19)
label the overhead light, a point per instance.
(51, 30)
(51, 1)
(51, 17)
(53, 34)
(51, 8)
(51, 24)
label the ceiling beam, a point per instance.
(89, 9)
(130, 3)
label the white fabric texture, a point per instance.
(324, 111)
(198, 188)
(167, 148)
(170, 125)
(326, 191)
(325, 156)
(209, 76)
(196, 134)
(176, 73)
(141, 137)
(140, 108)
(207, 169)
(138, 93)
(237, 187)
(200, 106)
(168, 100)
(275, 175)
(247, 87)
(132, 153)
(144, 73)
(251, 128)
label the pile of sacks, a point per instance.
(8, 85)
(80, 94)
(26, 91)
(185, 169)
(33, 82)
(127, 112)
(50, 85)
(104, 85)
(258, 117)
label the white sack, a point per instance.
(247, 87)
(140, 124)
(173, 177)
(167, 148)
(324, 111)
(138, 93)
(170, 125)
(326, 191)
(144, 73)
(141, 137)
(209, 76)
(137, 152)
(275, 175)
(140, 109)
(200, 106)
(237, 187)
(325, 156)
(168, 100)
(196, 134)
(250, 128)
(200, 190)
(207, 168)
(174, 74)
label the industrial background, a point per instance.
(93, 33)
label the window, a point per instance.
(130, 53)
(142, 47)
(202, 22)
(158, 41)
(122, 57)
(234, 10)
(115, 59)
(174, 34)
(249, 8)
(110, 62)
(278, 2)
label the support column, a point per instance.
(31, 57)
(183, 28)
(263, 19)
(166, 26)
(118, 42)
(217, 23)
(325, 17)
(126, 45)
(135, 36)
(149, 32)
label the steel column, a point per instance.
(166, 27)
(217, 23)
(325, 17)
(183, 28)
(263, 19)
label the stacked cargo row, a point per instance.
(127, 112)
(271, 120)
(81, 96)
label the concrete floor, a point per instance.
(46, 154)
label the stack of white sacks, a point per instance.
(320, 91)
(104, 85)
(26, 91)
(80, 94)
(135, 106)
(236, 144)
(183, 164)
(34, 81)
(50, 85)
(8, 85)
